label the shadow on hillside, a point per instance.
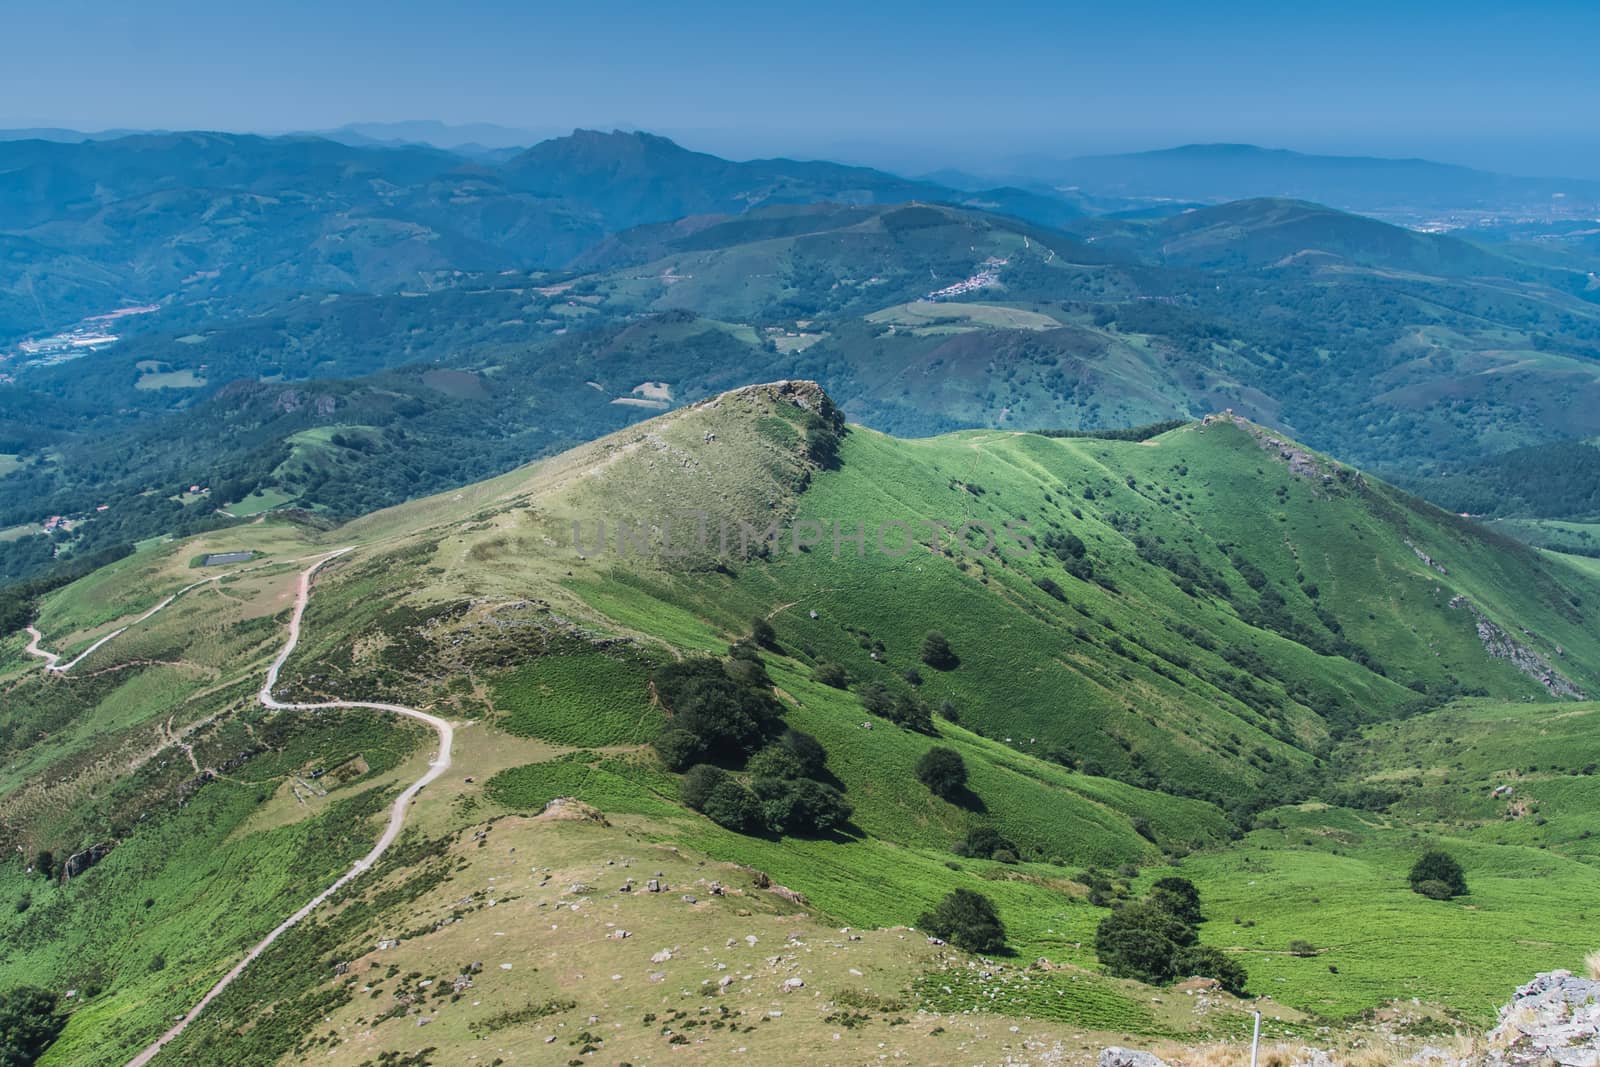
(966, 798)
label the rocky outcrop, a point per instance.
(1429, 560)
(79, 862)
(1554, 1019)
(1501, 645)
(571, 808)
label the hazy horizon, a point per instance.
(911, 88)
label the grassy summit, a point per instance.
(1223, 656)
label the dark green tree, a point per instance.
(699, 783)
(943, 771)
(937, 653)
(967, 920)
(807, 750)
(775, 761)
(982, 842)
(762, 633)
(906, 710)
(678, 749)
(1180, 897)
(29, 1022)
(830, 674)
(733, 806)
(799, 805)
(1436, 865)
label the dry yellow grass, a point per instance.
(1592, 962)
(1370, 1053)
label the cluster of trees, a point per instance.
(1157, 940)
(1073, 554)
(1437, 875)
(1132, 433)
(783, 795)
(902, 708)
(722, 710)
(744, 769)
(1560, 479)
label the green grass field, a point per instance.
(587, 698)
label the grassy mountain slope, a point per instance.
(1234, 624)
(1273, 232)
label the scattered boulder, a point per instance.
(1127, 1057)
(791, 895)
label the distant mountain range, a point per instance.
(157, 217)
(1221, 172)
(488, 311)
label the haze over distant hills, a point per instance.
(1219, 172)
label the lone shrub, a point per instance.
(982, 842)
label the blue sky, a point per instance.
(1504, 85)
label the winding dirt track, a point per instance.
(53, 661)
(397, 813)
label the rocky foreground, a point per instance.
(1553, 1021)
